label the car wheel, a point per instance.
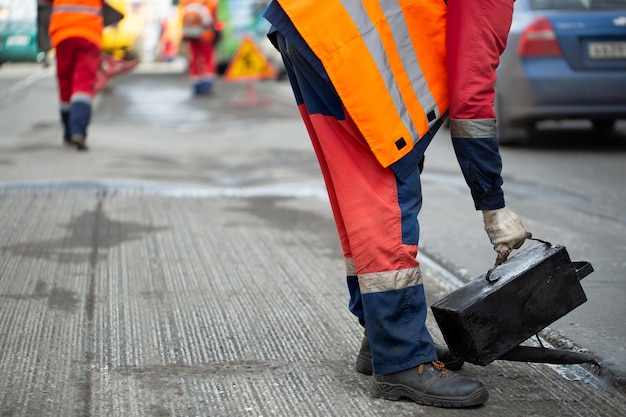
(511, 136)
(508, 135)
(603, 124)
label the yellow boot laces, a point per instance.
(437, 365)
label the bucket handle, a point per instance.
(495, 279)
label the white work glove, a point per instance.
(505, 231)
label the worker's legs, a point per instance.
(77, 66)
(65, 67)
(202, 66)
(209, 69)
(65, 121)
(85, 73)
(376, 217)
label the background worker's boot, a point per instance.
(203, 87)
(364, 358)
(80, 115)
(65, 122)
(430, 384)
(79, 141)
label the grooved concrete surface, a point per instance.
(130, 301)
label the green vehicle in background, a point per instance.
(18, 41)
(245, 18)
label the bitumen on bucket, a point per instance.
(129, 299)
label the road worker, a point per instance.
(76, 33)
(373, 81)
(201, 31)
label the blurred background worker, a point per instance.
(169, 39)
(370, 80)
(201, 31)
(76, 33)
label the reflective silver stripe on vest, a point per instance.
(411, 64)
(390, 280)
(78, 9)
(371, 37)
(473, 128)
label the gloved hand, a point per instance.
(505, 230)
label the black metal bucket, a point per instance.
(490, 316)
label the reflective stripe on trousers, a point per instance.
(476, 36)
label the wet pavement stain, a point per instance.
(262, 167)
(64, 300)
(157, 410)
(203, 370)
(168, 381)
(58, 298)
(269, 210)
(44, 125)
(139, 101)
(76, 246)
(34, 148)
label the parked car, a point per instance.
(18, 41)
(565, 59)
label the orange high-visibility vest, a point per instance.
(76, 19)
(386, 60)
(199, 19)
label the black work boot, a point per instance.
(430, 384)
(364, 358)
(79, 141)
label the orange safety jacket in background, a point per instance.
(199, 19)
(387, 62)
(76, 19)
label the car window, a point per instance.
(578, 4)
(17, 24)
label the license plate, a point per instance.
(18, 40)
(606, 50)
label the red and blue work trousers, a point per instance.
(202, 65)
(78, 61)
(376, 217)
(476, 35)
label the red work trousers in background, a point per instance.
(202, 66)
(77, 67)
(78, 61)
(477, 32)
(202, 60)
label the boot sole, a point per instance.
(79, 142)
(395, 392)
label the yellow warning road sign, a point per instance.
(249, 63)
